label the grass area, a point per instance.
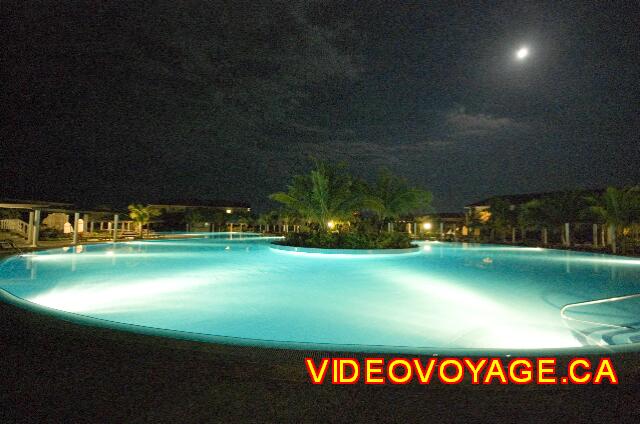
(54, 371)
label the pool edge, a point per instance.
(92, 322)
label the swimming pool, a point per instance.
(232, 288)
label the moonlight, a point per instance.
(522, 53)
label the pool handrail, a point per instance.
(594, 302)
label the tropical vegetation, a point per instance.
(335, 210)
(619, 210)
(613, 214)
(142, 215)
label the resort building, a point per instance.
(199, 215)
(184, 206)
(481, 207)
(566, 219)
(28, 219)
(441, 225)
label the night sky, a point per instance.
(141, 101)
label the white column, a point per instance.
(595, 235)
(611, 233)
(36, 228)
(567, 236)
(115, 227)
(76, 218)
(30, 229)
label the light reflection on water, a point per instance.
(447, 295)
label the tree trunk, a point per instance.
(567, 235)
(513, 234)
(545, 236)
(595, 236)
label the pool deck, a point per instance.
(56, 371)
(53, 244)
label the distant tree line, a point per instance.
(614, 215)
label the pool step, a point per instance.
(612, 337)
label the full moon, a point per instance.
(522, 53)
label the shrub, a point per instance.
(348, 240)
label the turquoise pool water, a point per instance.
(444, 297)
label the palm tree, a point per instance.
(531, 215)
(219, 219)
(561, 209)
(142, 215)
(475, 221)
(192, 217)
(501, 217)
(324, 195)
(273, 219)
(617, 209)
(242, 221)
(286, 218)
(391, 197)
(263, 222)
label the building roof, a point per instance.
(65, 207)
(445, 215)
(517, 199)
(199, 203)
(31, 204)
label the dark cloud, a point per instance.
(114, 102)
(464, 124)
